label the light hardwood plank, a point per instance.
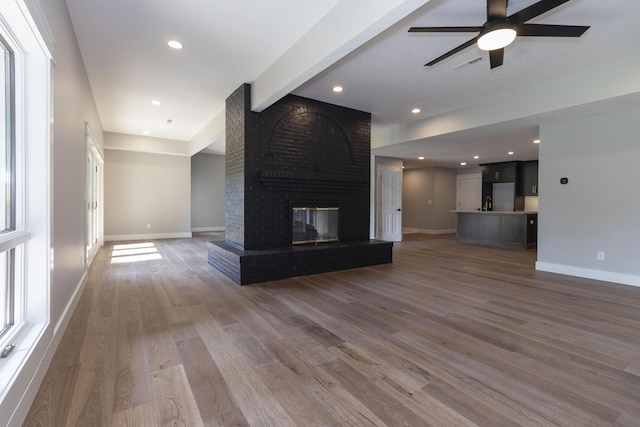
(446, 335)
(173, 398)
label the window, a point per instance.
(25, 207)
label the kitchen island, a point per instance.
(517, 229)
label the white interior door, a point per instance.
(390, 185)
(90, 200)
(469, 194)
(93, 200)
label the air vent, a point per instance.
(464, 64)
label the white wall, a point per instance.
(207, 192)
(141, 189)
(598, 209)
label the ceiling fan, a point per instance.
(500, 30)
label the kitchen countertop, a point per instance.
(497, 212)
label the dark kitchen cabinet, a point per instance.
(528, 183)
(504, 229)
(499, 172)
(467, 226)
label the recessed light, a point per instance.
(536, 141)
(476, 157)
(156, 102)
(416, 110)
(337, 89)
(145, 132)
(510, 153)
(463, 163)
(421, 158)
(175, 44)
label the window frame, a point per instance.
(32, 332)
(9, 243)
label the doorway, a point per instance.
(469, 194)
(93, 197)
(389, 199)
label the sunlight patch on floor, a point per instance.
(134, 252)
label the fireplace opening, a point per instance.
(314, 224)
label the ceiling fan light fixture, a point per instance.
(496, 37)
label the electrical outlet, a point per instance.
(600, 256)
(148, 226)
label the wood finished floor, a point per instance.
(447, 335)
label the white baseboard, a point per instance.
(68, 311)
(205, 229)
(408, 230)
(587, 273)
(119, 237)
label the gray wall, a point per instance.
(72, 105)
(598, 209)
(419, 186)
(207, 192)
(141, 189)
(469, 170)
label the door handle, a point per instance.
(398, 210)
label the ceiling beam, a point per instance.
(346, 27)
(210, 137)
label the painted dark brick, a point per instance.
(296, 151)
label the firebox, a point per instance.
(311, 224)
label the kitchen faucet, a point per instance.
(487, 203)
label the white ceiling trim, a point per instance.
(144, 144)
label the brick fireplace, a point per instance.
(297, 153)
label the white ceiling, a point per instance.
(123, 44)
(226, 43)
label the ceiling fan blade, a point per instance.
(543, 30)
(534, 10)
(496, 57)
(452, 52)
(444, 29)
(496, 10)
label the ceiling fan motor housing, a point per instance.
(500, 30)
